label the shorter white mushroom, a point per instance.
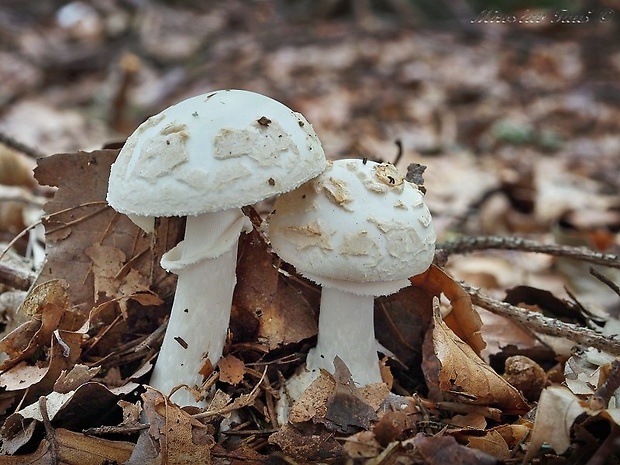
(359, 230)
(204, 158)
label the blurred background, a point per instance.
(513, 106)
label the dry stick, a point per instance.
(17, 238)
(16, 279)
(605, 280)
(610, 385)
(537, 322)
(470, 244)
(50, 434)
(19, 146)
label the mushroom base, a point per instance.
(198, 324)
(346, 330)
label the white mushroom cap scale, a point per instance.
(358, 227)
(220, 150)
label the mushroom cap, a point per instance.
(212, 152)
(359, 227)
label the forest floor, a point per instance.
(518, 125)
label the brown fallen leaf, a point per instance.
(112, 285)
(181, 439)
(231, 369)
(47, 307)
(335, 401)
(79, 217)
(492, 443)
(346, 409)
(401, 321)
(75, 377)
(441, 450)
(313, 401)
(14, 169)
(266, 305)
(70, 448)
(362, 445)
(463, 319)
(557, 410)
(16, 434)
(454, 371)
(62, 407)
(306, 442)
(390, 427)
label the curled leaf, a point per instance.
(454, 370)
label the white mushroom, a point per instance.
(359, 230)
(204, 158)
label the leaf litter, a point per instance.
(74, 373)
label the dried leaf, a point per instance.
(463, 319)
(556, 412)
(92, 397)
(106, 263)
(346, 409)
(362, 445)
(179, 436)
(22, 376)
(513, 434)
(390, 427)
(79, 217)
(47, 305)
(74, 378)
(306, 441)
(72, 448)
(39, 379)
(231, 369)
(14, 169)
(16, 433)
(491, 443)
(459, 373)
(401, 321)
(313, 401)
(440, 450)
(265, 303)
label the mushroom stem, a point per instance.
(205, 263)
(346, 330)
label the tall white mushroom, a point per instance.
(359, 230)
(204, 158)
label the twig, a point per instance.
(606, 390)
(16, 279)
(152, 340)
(608, 448)
(49, 429)
(19, 146)
(470, 244)
(17, 238)
(542, 324)
(605, 280)
(243, 401)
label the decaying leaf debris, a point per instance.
(504, 352)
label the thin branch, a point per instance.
(610, 385)
(535, 321)
(470, 244)
(605, 280)
(14, 278)
(50, 434)
(17, 238)
(19, 146)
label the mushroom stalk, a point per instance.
(346, 330)
(205, 262)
